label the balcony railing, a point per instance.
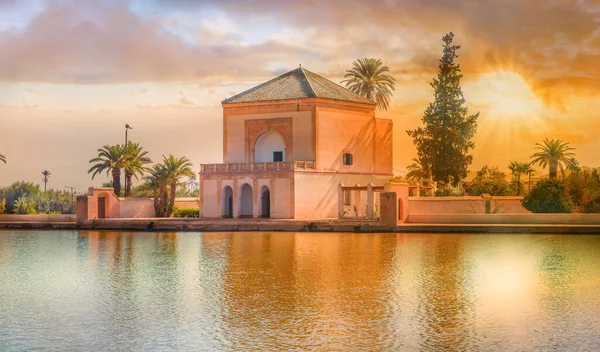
(272, 166)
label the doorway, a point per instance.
(101, 208)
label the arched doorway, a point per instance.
(269, 147)
(246, 201)
(265, 202)
(227, 203)
(400, 210)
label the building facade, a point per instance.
(288, 144)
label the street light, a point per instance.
(72, 193)
(127, 127)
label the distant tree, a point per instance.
(176, 169)
(109, 159)
(418, 172)
(548, 196)
(156, 185)
(371, 79)
(553, 153)
(46, 177)
(573, 165)
(18, 190)
(489, 180)
(133, 164)
(517, 169)
(445, 140)
(2, 158)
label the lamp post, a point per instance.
(127, 127)
(72, 192)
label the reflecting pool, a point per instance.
(94, 290)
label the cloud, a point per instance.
(139, 91)
(90, 42)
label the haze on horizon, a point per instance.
(73, 72)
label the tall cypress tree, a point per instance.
(444, 142)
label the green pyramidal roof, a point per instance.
(297, 84)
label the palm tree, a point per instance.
(417, 172)
(552, 153)
(176, 168)
(135, 159)
(370, 78)
(573, 165)
(46, 174)
(109, 159)
(157, 184)
(518, 169)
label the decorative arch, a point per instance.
(255, 128)
(246, 201)
(266, 144)
(227, 203)
(400, 210)
(264, 203)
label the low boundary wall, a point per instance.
(575, 219)
(37, 217)
(465, 205)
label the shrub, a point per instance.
(2, 206)
(25, 205)
(489, 180)
(186, 212)
(17, 190)
(548, 196)
(592, 206)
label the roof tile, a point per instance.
(297, 84)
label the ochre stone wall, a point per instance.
(316, 193)
(384, 155)
(136, 208)
(341, 130)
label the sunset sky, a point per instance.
(72, 73)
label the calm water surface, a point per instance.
(74, 291)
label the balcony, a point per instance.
(272, 166)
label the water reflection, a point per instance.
(100, 290)
(445, 292)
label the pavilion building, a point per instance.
(287, 146)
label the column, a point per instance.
(358, 202)
(370, 201)
(340, 200)
(236, 200)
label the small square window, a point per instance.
(348, 159)
(278, 156)
(347, 199)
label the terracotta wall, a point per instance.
(37, 217)
(210, 194)
(340, 131)
(137, 208)
(446, 205)
(186, 202)
(505, 218)
(465, 205)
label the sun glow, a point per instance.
(506, 95)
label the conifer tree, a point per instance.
(446, 138)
